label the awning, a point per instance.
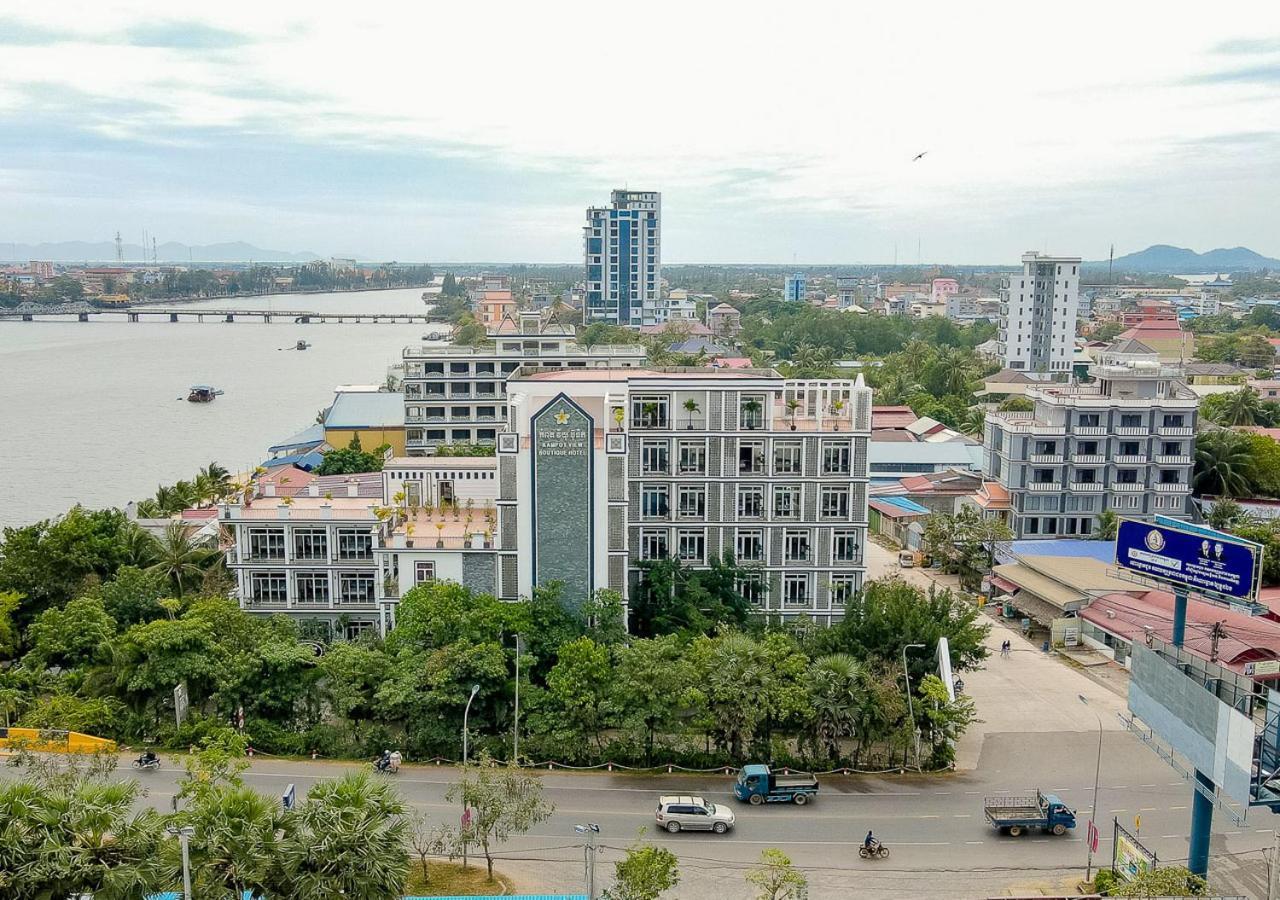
(1004, 584)
(1042, 611)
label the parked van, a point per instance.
(906, 559)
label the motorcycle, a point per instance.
(143, 764)
(875, 851)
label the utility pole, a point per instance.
(1217, 634)
(915, 732)
(184, 835)
(1111, 261)
(515, 744)
(590, 829)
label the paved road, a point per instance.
(933, 824)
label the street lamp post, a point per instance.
(475, 689)
(1097, 770)
(591, 829)
(915, 732)
(515, 742)
(184, 835)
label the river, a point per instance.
(95, 413)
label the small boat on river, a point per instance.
(301, 345)
(202, 393)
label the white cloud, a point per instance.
(803, 110)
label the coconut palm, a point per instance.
(139, 547)
(973, 420)
(1224, 465)
(1241, 407)
(834, 684)
(1108, 525)
(181, 559)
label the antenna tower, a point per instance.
(119, 249)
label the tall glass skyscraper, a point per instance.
(623, 249)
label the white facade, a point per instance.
(458, 394)
(1038, 310)
(623, 251)
(690, 464)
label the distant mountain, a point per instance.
(168, 252)
(1167, 259)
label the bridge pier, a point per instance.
(266, 317)
(133, 317)
(230, 317)
(27, 317)
(173, 317)
(83, 317)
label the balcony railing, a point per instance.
(1085, 459)
(1174, 430)
(1046, 458)
(1044, 486)
(1173, 460)
(1086, 487)
(1089, 430)
(1132, 459)
(1166, 487)
(1128, 487)
(1133, 431)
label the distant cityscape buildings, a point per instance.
(623, 249)
(794, 290)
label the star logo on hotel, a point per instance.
(562, 417)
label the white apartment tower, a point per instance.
(623, 249)
(1038, 309)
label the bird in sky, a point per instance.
(919, 156)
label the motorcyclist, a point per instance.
(869, 842)
(384, 761)
(394, 760)
(148, 758)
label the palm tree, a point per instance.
(237, 843)
(691, 406)
(181, 559)
(792, 405)
(957, 367)
(349, 839)
(1224, 465)
(1108, 524)
(973, 420)
(218, 475)
(1241, 407)
(139, 547)
(834, 683)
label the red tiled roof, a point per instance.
(892, 435)
(892, 416)
(992, 495)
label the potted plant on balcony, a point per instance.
(792, 405)
(408, 534)
(439, 535)
(488, 538)
(751, 407)
(691, 406)
(619, 414)
(837, 405)
(649, 414)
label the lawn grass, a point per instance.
(450, 879)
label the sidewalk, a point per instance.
(1030, 691)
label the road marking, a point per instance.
(1233, 832)
(1177, 807)
(973, 843)
(1173, 784)
(928, 817)
(943, 793)
(1146, 785)
(1168, 835)
(1148, 809)
(1119, 787)
(961, 816)
(1119, 810)
(973, 792)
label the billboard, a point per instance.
(1129, 859)
(1181, 711)
(1199, 559)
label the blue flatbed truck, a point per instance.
(758, 784)
(1014, 815)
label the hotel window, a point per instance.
(786, 457)
(842, 588)
(269, 587)
(1130, 420)
(355, 544)
(795, 590)
(1173, 421)
(424, 572)
(1088, 420)
(751, 458)
(835, 458)
(1129, 448)
(752, 589)
(835, 502)
(751, 502)
(266, 543)
(691, 546)
(795, 545)
(751, 411)
(355, 587)
(1169, 476)
(692, 502)
(786, 502)
(844, 546)
(653, 543)
(310, 543)
(749, 546)
(1127, 476)
(692, 457)
(312, 587)
(650, 411)
(654, 457)
(654, 501)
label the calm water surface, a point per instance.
(90, 412)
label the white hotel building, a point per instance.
(1038, 310)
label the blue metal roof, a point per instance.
(366, 409)
(307, 460)
(903, 504)
(307, 437)
(1103, 551)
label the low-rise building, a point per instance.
(724, 321)
(896, 459)
(376, 417)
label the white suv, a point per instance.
(685, 813)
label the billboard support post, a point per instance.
(1179, 615)
(1201, 823)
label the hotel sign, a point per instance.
(1191, 557)
(563, 527)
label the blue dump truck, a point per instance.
(1014, 815)
(758, 784)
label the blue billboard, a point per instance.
(1196, 558)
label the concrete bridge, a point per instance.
(203, 314)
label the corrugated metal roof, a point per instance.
(359, 409)
(898, 506)
(307, 437)
(956, 453)
(1103, 551)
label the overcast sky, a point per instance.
(776, 132)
